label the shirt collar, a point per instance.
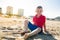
(40, 15)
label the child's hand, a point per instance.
(45, 31)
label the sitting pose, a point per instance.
(38, 23)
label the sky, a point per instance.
(51, 7)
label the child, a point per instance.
(39, 22)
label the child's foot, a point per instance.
(26, 35)
(23, 32)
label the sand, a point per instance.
(53, 28)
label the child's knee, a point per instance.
(26, 21)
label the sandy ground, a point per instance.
(53, 28)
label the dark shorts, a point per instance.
(33, 27)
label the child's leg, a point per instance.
(26, 25)
(29, 25)
(25, 29)
(33, 28)
(36, 31)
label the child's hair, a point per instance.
(39, 7)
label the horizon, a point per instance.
(51, 7)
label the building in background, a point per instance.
(20, 12)
(9, 10)
(0, 11)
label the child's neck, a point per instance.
(38, 15)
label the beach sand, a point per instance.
(53, 28)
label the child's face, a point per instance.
(39, 10)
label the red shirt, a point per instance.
(39, 21)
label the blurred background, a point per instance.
(51, 7)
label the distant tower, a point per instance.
(20, 12)
(9, 10)
(0, 11)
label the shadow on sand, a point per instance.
(42, 36)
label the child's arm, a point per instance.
(45, 27)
